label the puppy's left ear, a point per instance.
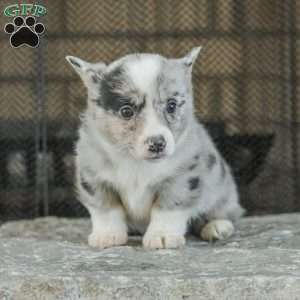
(191, 57)
(90, 73)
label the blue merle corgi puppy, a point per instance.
(143, 161)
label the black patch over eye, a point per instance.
(127, 112)
(171, 106)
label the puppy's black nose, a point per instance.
(156, 144)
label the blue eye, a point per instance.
(126, 112)
(171, 106)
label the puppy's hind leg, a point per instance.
(217, 225)
(220, 225)
(210, 230)
(219, 229)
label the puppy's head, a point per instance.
(141, 103)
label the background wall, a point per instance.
(246, 78)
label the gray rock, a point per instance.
(49, 259)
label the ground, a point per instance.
(49, 259)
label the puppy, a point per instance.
(143, 161)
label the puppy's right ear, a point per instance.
(90, 73)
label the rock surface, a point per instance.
(49, 259)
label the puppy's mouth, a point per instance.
(156, 157)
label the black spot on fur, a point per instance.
(223, 170)
(182, 202)
(111, 100)
(75, 63)
(140, 107)
(197, 223)
(211, 161)
(181, 103)
(196, 157)
(165, 202)
(95, 78)
(192, 167)
(86, 186)
(193, 183)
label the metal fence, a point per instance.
(245, 86)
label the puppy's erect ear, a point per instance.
(90, 73)
(191, 57)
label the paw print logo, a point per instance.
(24, 32)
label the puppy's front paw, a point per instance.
(106, 240)
(163, 241)
(217, 230)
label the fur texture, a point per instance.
(143, 162)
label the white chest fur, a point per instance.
(134, 182)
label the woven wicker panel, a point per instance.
(245, 86)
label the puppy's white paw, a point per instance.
(163, 241)
(106, 240)
(217, 230)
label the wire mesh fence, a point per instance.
(245, 86)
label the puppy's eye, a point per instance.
(126, 112)
(171, 106)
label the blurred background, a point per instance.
(245, 86)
